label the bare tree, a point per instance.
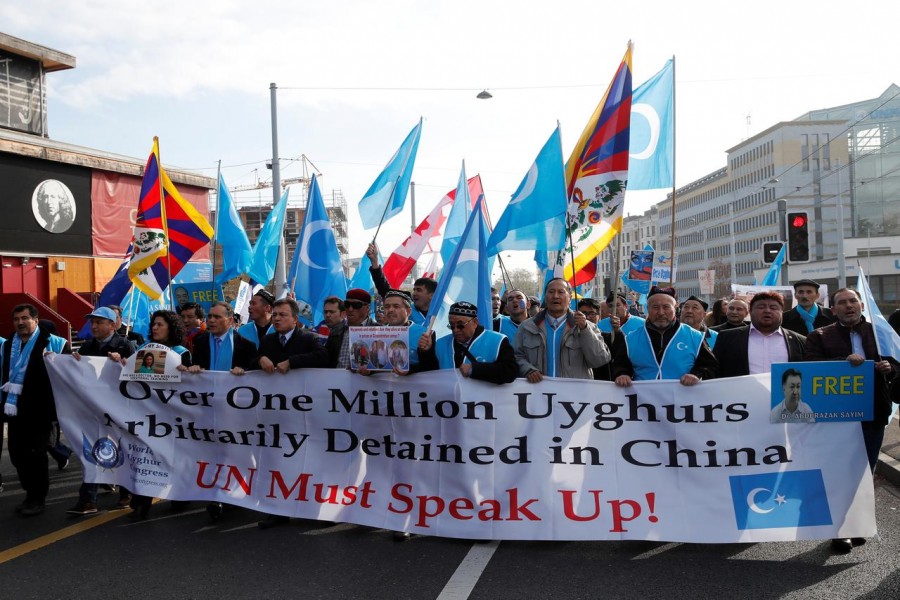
(523, 279)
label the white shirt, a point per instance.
(764, 350)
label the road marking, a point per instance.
(56, 536)
(468, 572)
(655, 551)
(333, 529)
(207, 528)
(252, 525)
(177, 515)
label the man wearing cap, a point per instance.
(259, 311)
(663, 348)
(753, 349)
(620, 319)
(356, 305)
(28, 405)
(517, 305)
(105, 342)
(807, 315)
(735, 314)
(693, 313)
(558, 342)
(477, 352)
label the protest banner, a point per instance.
(438, 454)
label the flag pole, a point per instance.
(165, 223)
(674, 154)
(504, 274)
(128, 326)
(215, 240)
(387, 205)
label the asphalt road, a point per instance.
(185, 556)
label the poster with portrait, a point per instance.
(53, 206)
(379, 348)
(153, 362)
(665, 266)
(822, 392)
(640, 267)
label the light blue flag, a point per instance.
(458, 218)
(237, 255)
(543, 264)
(316, 270)
(362, 279)
(773, 275)
(886, 338)
(651, 154)
(265, 251)
(465, 277)
(535, 217)
(387, 195)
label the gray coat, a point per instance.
(580, 351)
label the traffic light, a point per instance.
(798, 237)
(770, 250)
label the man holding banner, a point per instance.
(852, 338)
(558, 342)
(663, 348)
(477, 352)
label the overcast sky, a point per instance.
(197, 73)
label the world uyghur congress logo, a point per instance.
(105, 453)
(784, 499)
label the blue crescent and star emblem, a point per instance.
(104, 453)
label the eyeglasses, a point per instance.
(590, 314)
(354, 304)
(459, 324)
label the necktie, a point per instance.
(283, 340)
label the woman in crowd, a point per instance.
(166, 328)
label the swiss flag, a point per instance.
(401, 261)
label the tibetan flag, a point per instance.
(167, 231)
(387, 195)
(237, 255)
(401, 261)
(886, 339)
(535, 217)
(652, 145)
(597, 174)
(464, 277)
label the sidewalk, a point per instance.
(889, 460)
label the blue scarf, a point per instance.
(220, 358)
(808, 317)
(18, 364)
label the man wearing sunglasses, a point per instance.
(356, 305)
(477, 352)
(558, 342)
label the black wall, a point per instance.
(19, 231)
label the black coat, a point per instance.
(302, 350)
(793, 321)
(243, 355)
(731, 350)
(117, 343)
(35, 404)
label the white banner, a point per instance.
(436, 454)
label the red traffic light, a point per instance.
(798, 220)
